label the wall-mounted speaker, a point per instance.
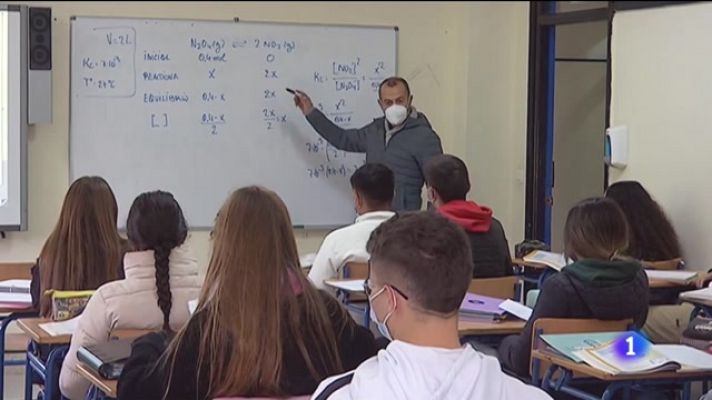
(39, 51)
(40, 25)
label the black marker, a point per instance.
(292, 91)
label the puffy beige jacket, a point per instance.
(130, 303)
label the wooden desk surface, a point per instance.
(105, 385)
(31, 327)
(585, 369)
(481, 328)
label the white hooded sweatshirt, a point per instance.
(407, 372)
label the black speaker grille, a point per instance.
(40, 46)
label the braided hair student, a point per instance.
(161, 277)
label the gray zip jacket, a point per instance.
(406, 152)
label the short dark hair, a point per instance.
(652, 236)
(448, 175)
(428, 257)
(375, 183)
(393, 81)
(595, 228)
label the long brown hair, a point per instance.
(156, 222)
(247, 306)
(595, 228)
(652, 236)
(84, 250)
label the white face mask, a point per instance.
(382, 327)
(396, 114)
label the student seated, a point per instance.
(372, 186)
(448, 182)
(599, 284)
(84, 250)
(653, 241)
(420, 270)
(260, 329)
(161, 277)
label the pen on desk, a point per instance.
(474, 301)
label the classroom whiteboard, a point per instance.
(199, 108)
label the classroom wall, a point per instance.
(495, 133)
(444, 50)
(661, 63)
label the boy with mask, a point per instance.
(420, 269)
(402, 139)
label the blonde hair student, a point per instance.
(84, 250)
(161, 277)
(260, 327)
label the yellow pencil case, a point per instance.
(67, 304)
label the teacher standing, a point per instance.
(402, 139)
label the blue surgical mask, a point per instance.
(382, 327)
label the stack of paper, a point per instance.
(681, 277)
(60, 328)
(553, 260)
(15, 300)
(15, 286)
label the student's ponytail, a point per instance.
(156, 223)
(163, 285)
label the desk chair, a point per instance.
(501, 288)
(357, 303)
(566, 325)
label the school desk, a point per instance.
(615, 383)
(543, 271)
(59, 345)
(106, 386)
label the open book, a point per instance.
(659, 358)
(556, 261)
(567, 344)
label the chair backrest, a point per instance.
(502, 288)
(673, 264)
(16, 270)
(354, 270)
(570, 325)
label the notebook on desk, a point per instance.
(107, 359)
(478, 306)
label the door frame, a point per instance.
(543, 20)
